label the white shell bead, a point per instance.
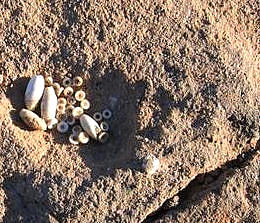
(90, 126)
(52, 123)
(49, 104)
(77, 112)
(34, 92)
(103, 137)
(97, 116)
(85, 104)
(104, 126)
(73, 139)
(32, 120)
(80, 95)
(106, 114)
(151, 164)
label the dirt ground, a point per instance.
(182, 80)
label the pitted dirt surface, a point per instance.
(185, 78)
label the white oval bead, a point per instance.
(49, 104)
(34, 92)
(32, 120)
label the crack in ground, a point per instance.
(203, 184)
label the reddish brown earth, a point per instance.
(186, 78)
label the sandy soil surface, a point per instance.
(185, 79)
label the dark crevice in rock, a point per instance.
(203, 184)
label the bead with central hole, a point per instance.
(97, 116)
(103, 137)
(66, 82)
(62, 127)
(90, 126)
(104, 126)
(85, 104)
(73, 139)
(83, 137)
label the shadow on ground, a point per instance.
(114, 92)
(24, 202)
(15, 93)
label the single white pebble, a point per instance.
(103, 137)
(151, 164)
(52, 123)
(80, 95)
(77, 112)
(70, 120)
(104, 126)
(76, 130)
(77, 81)
(68, 91)
(85, 104)
(83, 138)
(62, 127)
(73, 139)
(66, 82)
(62, 101)
(106, 114)
(97, 116)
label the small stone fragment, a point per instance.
(77, 112)
(67, 82)
(104, 126)
(77, 81)
(151, 164)
(90, 126)
(73, 139)
(97, 116)
(80, 95)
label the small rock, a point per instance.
(151, 164)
